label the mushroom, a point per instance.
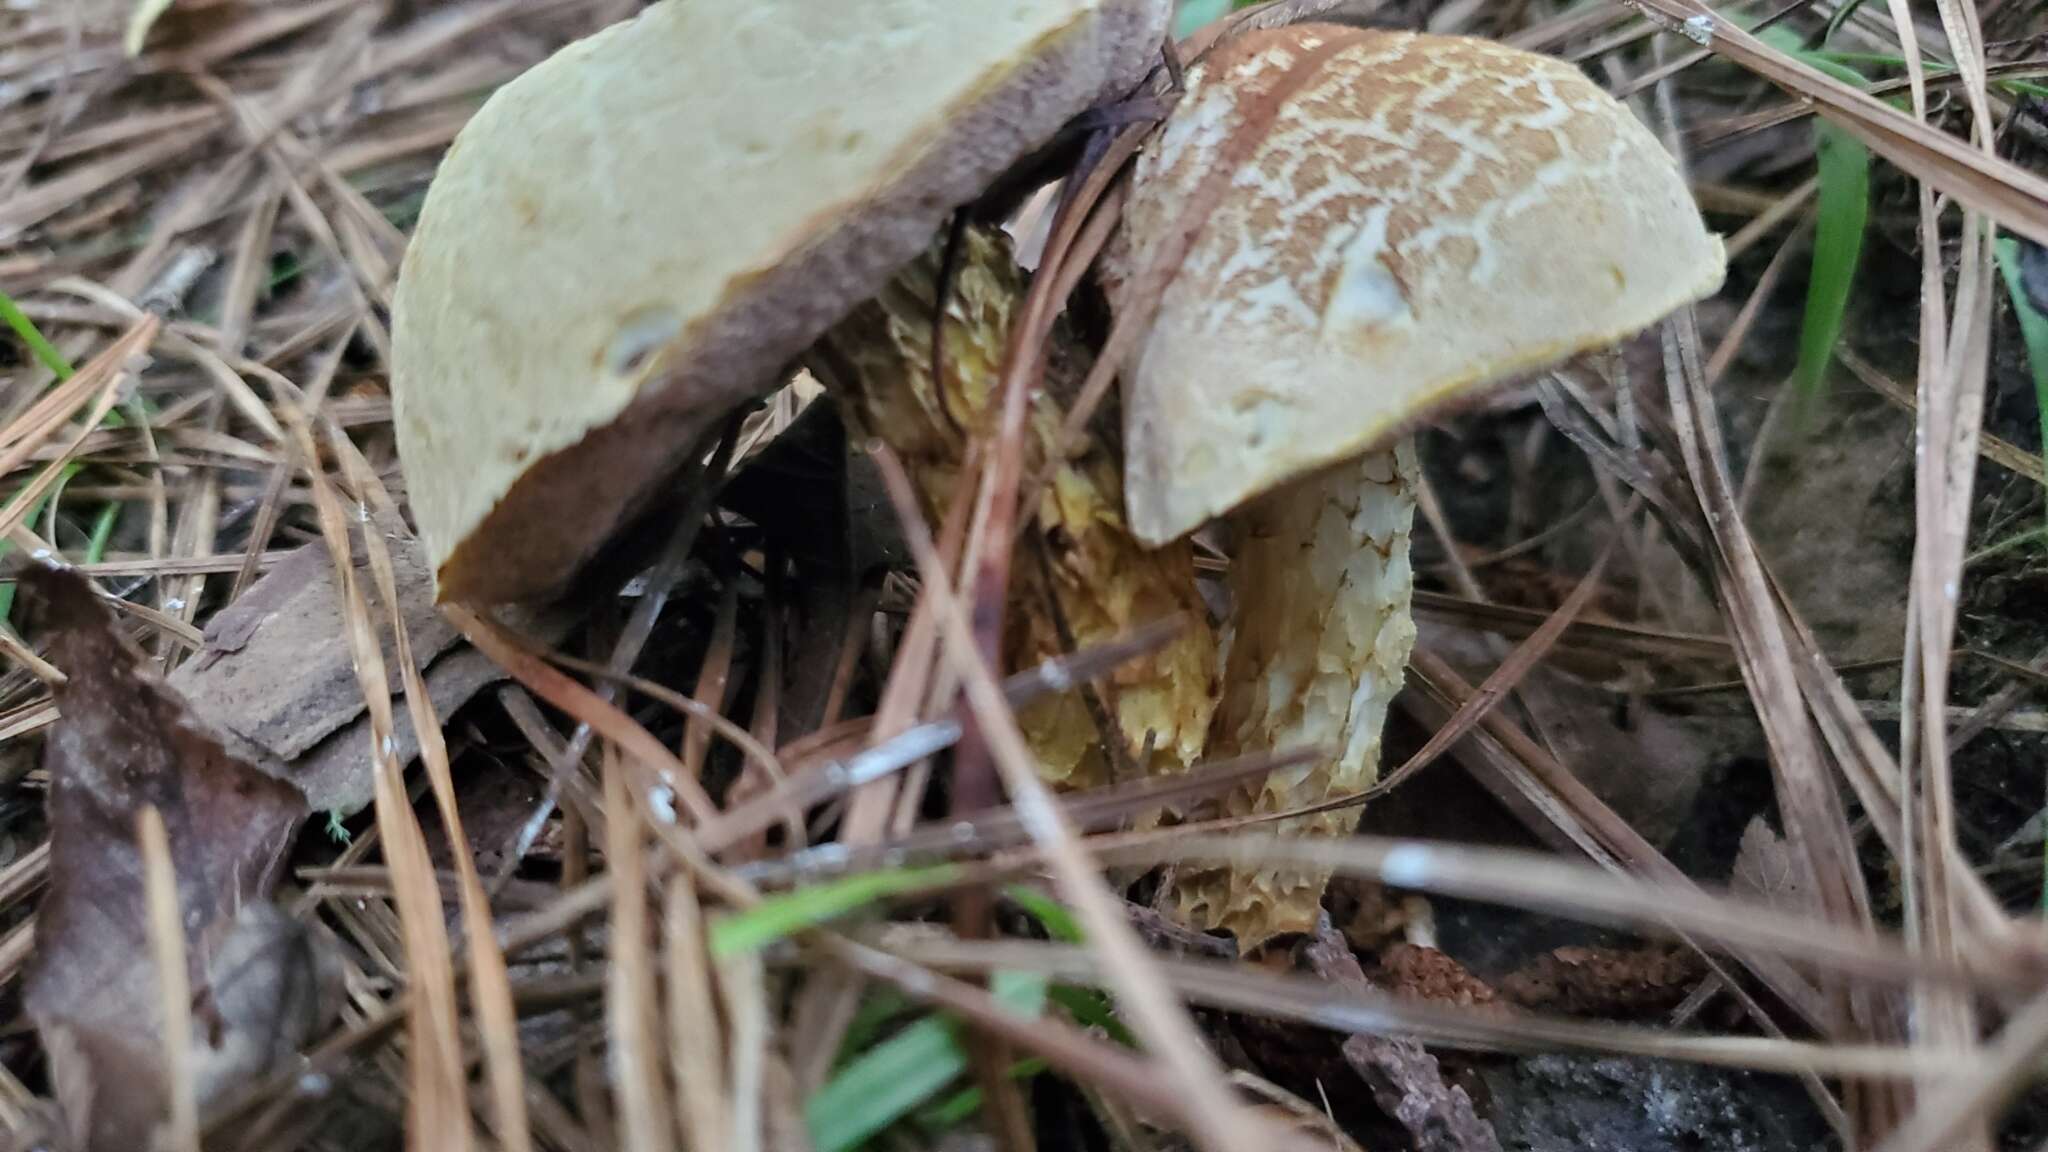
(1081, 579)
(640, 232)
(1425, 217)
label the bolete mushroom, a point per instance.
(644, 229)
(1425, 216)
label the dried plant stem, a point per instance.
(174, 992)
(703, 1115)
(632, 1004)
(490, 986)
(745, 995)
(438, 1099)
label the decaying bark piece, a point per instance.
(1097, 581)
(1402, 1076)
(276, 672)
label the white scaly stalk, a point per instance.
(1317, 648)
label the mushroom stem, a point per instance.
(1095, 580)
(1316, 648)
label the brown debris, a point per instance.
(1427, 974)
(276, 672)
(126, 742)
(1371, 916)
(1402, 1076)
(1614, 983)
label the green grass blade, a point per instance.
(903, 1073)
(1059, 923)
(2034, 334)
(1840, 18)
(1088, 1006)
(1844, 204)
(884, 1085)
(954, 1110)
(102, 532)
(1091, 1009)
(879, 1011)
(39, 346)
(2033, 327)
(1844, 207)
(779, 916)
(2009, 544)
(53, 359)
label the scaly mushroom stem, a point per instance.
(1315, 650)
(1101, 581)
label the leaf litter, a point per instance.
(267, 254)
(263, 984)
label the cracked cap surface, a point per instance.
(1428, 215)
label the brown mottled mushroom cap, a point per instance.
(1428, 215)
(644, 229)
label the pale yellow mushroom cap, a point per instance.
(1428, 215)
(644, 229)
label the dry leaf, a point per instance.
(1766, 868)
(124, 741)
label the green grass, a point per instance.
(2012, 85)
(1088, 1006)
(905, 1073)
(954, 1110)
(2012, 543)
(2033, 328)
(883, 1079)
(45, 352)
(781, 916)
(50, 357)
(2034, 335)
(1843, 207)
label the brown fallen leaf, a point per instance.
(1765, 868)
(261, 983)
